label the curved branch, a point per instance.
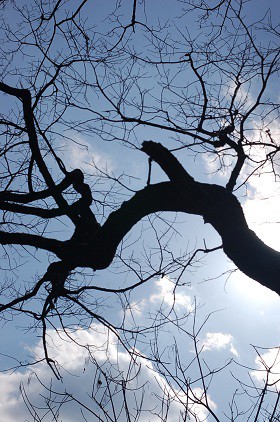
(214, 203)
(223, 211)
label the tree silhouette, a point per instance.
(205, 91)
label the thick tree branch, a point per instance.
(37, 241)
(24, 209)
(214, 203)
(222, 210)
(95, 247)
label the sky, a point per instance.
(235, 318)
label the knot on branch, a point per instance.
(57, 274)
(57, 270)
(78, 178)
(88, 224)
(82, 188)
(223, 136)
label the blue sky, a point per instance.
(242, 312)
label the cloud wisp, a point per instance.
(219, 341)
(94, 370)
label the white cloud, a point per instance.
(233, 350)
(269, 360)
(214, 166)
(71, 359)
(163, 292)
(136, 308)
(191, 400)
(82, 154)
(167, 293)
(84, 380)
(218, 341)
(243, 97)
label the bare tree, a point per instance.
(204, 92)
